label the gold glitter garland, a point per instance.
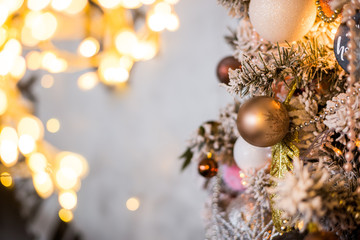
(282, 154)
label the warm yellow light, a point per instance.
(9, 153)
(133, 204)
(76, 6)
(60, 5)
(27, 37)
(37, 5)
(3, 35)
(300, 225)
(33, 60)
(47, 57)
(116, 75)
(65, 215)
(66, 178)
(8, 56)
(109, 3)
(156, 22)
(126, 42)
(47, 81)
(43, 184)
(4, 14)
(68, 199)
(89, 47)
(37, 162)
(111, 71)
(52, 63)
(88, 81)
(26, 144)
(73, 161)
(6, 62)
(131, 3)
(13, 46)
(162, 8)
(53, 125)
(172, 22)
(31, 126)
(147, 1)
(8, 146)
(19, 68)
(13, 5)
(6, 179)
(145, 51)
(338, 151)
(9, 133)
(3, 102)
(172, 1)
(43, 25)
(126, 62)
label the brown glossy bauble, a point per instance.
(263, 121)
(222, 70)
(208, 167)
(321, 236)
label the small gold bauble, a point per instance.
(263, 121)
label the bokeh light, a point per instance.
(43, 184)
(32, 126)
(37, 162)
(47, 81)
(65, 215)
(53, 125)
(26, 144)
(8, 146)
(66, 178)
(89, 47)
(88, 81)
(68, 199)
(132, 204)
(3, 102)
(6, 179)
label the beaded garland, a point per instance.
(322, 14)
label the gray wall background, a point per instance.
(132, 139)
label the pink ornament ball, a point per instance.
(231, 176)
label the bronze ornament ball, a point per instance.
(262, 121)
(222, 69)
(208, 167)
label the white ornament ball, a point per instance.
(282, 20)
(248, 156)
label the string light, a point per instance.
(42, 21)
(88, 81)
(53, 125)
(6, 179)
(68, 200)
(65, 215)
(132, 204)
(89, 47)
(29, 33)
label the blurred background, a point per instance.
(132, 138)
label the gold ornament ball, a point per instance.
(282, 20)
(263, 121)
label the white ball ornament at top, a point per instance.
(282, 20)
(248, 156)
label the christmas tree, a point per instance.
(282, 160)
